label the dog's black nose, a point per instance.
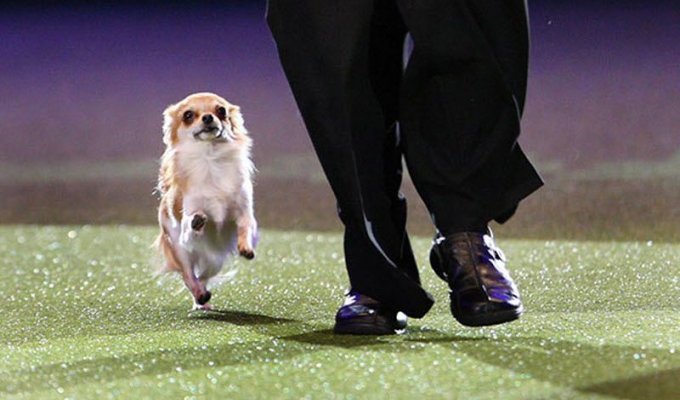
(207, 119)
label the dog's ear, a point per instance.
(237, 124)
(169, 124)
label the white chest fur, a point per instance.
(218, 176)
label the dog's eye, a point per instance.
(221, 112)
(188, 116)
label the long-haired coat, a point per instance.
(205, 183)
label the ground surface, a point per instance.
(625, 200)
(83, 317)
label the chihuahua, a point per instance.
(206, 191)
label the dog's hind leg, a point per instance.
(198, 290)
(192, 227)
(246, 226)
(178, 259)
(192, 282)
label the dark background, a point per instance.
(83, 85)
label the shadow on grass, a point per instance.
(153, 363)
(447, 340)
(239, 317)
(163, 361)
(618, 371)
(583, 367)
(655, 385)
(326, 337)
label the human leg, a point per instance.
(325, 50)
(462, 97)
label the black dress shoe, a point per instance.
(482, 292)
(362, 315)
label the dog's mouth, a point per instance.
(209, 132)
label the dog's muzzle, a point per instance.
(209, 132)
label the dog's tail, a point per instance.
(163, 244)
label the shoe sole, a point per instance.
(494, 318)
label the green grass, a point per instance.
(84, 317)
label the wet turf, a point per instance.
(83, 317)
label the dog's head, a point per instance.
(202, 117)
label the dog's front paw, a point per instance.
(203, 298)
(198, 222)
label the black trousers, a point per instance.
(453, 115)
